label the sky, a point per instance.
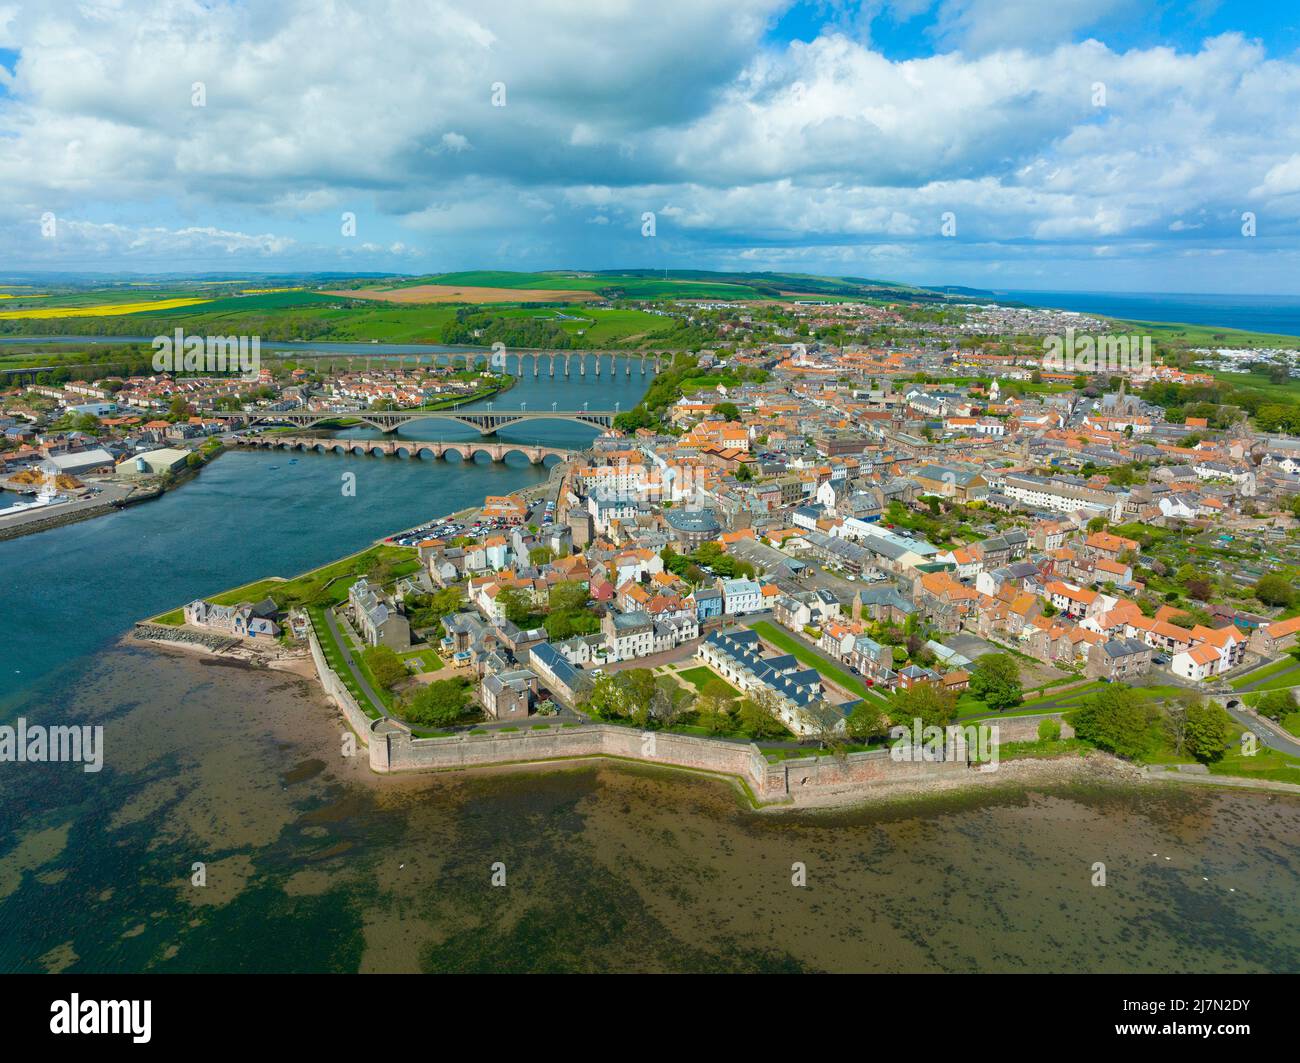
(1098, 145)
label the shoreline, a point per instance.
(1095, 766)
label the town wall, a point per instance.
(338, 692)
(394, 749)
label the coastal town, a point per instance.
(796, 544)
(778, 487)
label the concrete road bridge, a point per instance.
(487, 422)
(410, 448)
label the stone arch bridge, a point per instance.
(411, 448)
(487, 422)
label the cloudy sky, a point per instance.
(1073, 144)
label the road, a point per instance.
(1267, 731)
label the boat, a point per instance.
(48, 495)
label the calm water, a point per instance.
(251, 514)
(1278, 314)
(314, 864)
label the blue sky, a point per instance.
(1105, 145)
(912, 30)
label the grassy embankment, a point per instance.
(327, 585)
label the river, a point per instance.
(314, 864)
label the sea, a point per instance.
(1275, 314)
(311, 863)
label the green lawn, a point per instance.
(426, 655)
(785, 641)
(1281, 665)
(707, 682)
(1070, 696)
(969, 705)
(334, 658)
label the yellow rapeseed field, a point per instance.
(106, 310)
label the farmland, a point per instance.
(102, 310)
(463, 293)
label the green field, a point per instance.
(1184, 335)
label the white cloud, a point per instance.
(826, 149)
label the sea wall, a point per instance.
(394, 749)
(167, 633)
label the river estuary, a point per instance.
(314, 864)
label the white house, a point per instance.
(1197, 663)
(741, 596)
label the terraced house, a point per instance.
(795, 689)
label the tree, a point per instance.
(1209, 728)
(729, 410)
(385, 666)
(1176, 721)
(927, 702)
(1274, 589)
(713, 713)
(757, 714)
(743, 474)
(668, 702)
(1118, 719)
(1049, 730)
(1275, 704)
(625, 694)
(867, 721)
(541, 555)
(428, 611)
(518, 605)
(995, 680)
(568, 595)
(828, 724)
(438, 704)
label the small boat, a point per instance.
(273, 466)
(293, 461)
